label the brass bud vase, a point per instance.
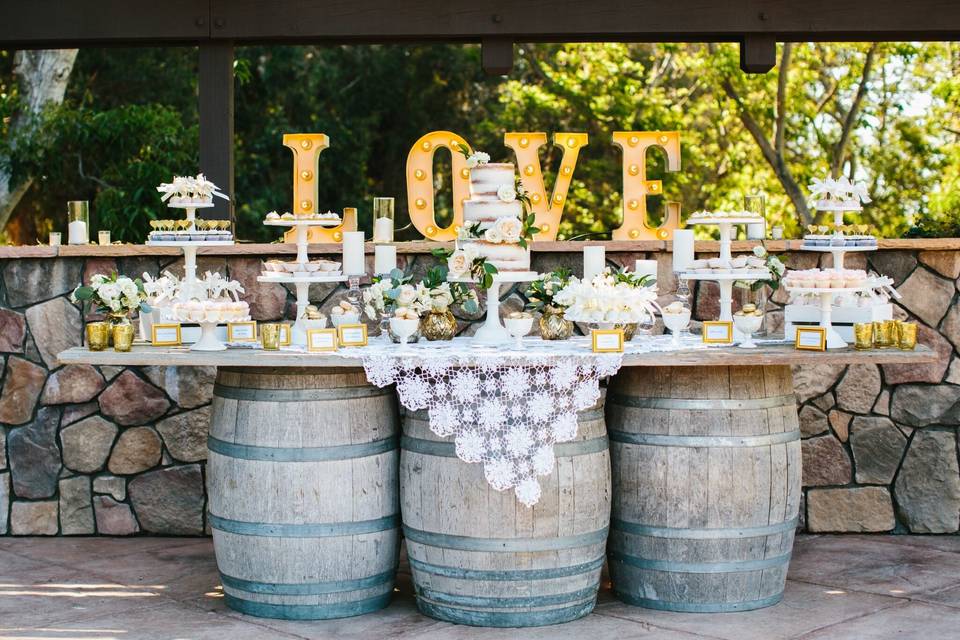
(438, 325)
(628, 330)
(553, 326)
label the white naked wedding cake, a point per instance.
(493, 217)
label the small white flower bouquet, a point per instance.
(190, 190)
(114, 295)
(607, 300)
(838, 195)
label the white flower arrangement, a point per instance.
(604, 300)
(839, 194)
(477, 158)
(506, 193)
(388, 294)
(114, 294)
(190, 190)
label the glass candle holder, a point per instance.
(885, 334)
(907, 335)
(98, 336)
(122, 337)
(383, 219)
(270, 336)
(78, 222)
(863, 335)
(103, 238)
(54, 238)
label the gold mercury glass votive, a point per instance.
(122, 337)
(98, 336)
(863, 335)
(270, 336)
(885, 334)
(907, 335)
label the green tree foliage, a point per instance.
(886, 114)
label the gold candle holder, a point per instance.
(122, 337)
(98, 336)
(270, 336)
(907, 335)
(885, 334)
(863, 336)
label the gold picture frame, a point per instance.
(158, 327)
(347, 335)
(286, 335)
(242, 331)
(811, 339)
(601, 340)
(322, 340)
(711, 329)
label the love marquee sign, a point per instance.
(634, 145)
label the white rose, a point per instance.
(472, 252)
(108, 291)
(407, 295)
(759, 251)
(509, 229)
(506, 193)
(459, 263)
(493, 235)
(472, 161)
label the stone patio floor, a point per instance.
(857, 587)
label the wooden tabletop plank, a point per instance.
(779, 354)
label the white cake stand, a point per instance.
(834, 340)
(493, 333)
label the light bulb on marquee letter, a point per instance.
(548, 210)
(420, 184)
(306, 149)
(636, 187)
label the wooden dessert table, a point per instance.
(694, 500)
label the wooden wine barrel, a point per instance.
(706, 486)
(479, 557)
(304, 505)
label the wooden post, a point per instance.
(216, 124)
(758, 53)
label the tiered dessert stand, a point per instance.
(298, 335)
(493, 332)
(189, 289)
(828, 313)
(726, 280)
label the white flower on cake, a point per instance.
(477, 158)
(492, 235)
(509, 229)
(459, 264)
(506, 193)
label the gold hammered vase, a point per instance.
(553, 326)
(438, 325)
(628, 330)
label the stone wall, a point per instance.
(113, 451)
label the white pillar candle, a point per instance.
(646, 268)
(77, 232)
(383, 230)
(353, 253)
(385, 258)
(682, 249)
(594, 260)
(757, 230)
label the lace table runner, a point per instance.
(504, 407)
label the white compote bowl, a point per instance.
(676, 322)
(518, 327)
(403, 328)
(747, 324)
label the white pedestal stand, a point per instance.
(188, 289)
(493, 333)
(208, 339)
(298, 333)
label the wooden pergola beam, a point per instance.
(57, 23)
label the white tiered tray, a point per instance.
(834, 339)
(493, 332)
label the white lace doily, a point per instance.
(503, 407)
